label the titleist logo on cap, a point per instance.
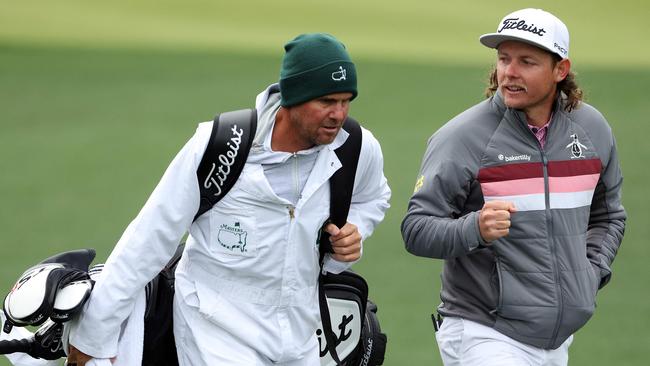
(516, 23)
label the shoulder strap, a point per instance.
(342, 182)
(341, 187)
(225, 156)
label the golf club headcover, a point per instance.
(76, 259)
(70, 299)
(47, 343)
(32, 299)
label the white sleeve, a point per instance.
(370, 195)
(145, 247)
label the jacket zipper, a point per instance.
(549, 225)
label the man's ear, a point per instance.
(562, 69)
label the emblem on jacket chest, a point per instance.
(232, 237)
(576, 147)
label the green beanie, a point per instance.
(314, 65)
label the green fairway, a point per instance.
(93, 108)
(603, 32)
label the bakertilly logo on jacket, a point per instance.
(233, 237)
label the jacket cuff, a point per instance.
(473, 232)
(77, 335)
(605, 274)
(331, 265)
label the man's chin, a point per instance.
(325, 140)
(514, 103)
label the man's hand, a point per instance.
(346, 242)
(494, 219)
(77, 358)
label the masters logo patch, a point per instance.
(233, 237)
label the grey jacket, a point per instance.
(538, 284)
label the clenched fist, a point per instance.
(494, 219)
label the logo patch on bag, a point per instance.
(346, 325)
(233, 237)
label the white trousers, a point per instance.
(200, 342)
(467, 343)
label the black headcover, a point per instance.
(76, 259)
(47, 343)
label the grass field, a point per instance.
(94, 105)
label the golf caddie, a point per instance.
(247, 283)
(521, 197)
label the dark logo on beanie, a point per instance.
(339, 75)
(516, 23)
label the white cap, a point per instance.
(534, 26)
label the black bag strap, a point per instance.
(342, 182)
(225, 156)
(341, 187)
(330, 337)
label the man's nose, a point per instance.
(339, 111)
(511, 70)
